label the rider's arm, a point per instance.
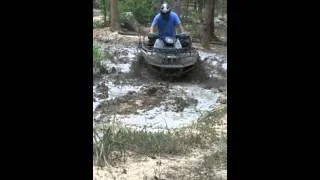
(152, 29)
(178, 22)
(154, 23)
(181, 28)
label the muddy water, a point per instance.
(153, 104)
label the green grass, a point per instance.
(97, 56)
(116, 140)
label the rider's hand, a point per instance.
(152, 34)
(183, 33)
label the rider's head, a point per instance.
(165, 10)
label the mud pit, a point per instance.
(145, 101)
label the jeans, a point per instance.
(160, 44)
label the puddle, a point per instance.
(162, 117)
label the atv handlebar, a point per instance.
(156, 35)
(153, 35)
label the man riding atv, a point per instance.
(166, 52)
(166, 21)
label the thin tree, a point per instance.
(208, 25)
(114, 13)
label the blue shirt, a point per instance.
(166, 27)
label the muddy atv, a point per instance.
(168, 61)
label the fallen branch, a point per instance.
(210, 42)
(128, 33)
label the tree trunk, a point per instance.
(208, 25)
(114, 13)
(177, 7)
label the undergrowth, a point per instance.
(113, 142)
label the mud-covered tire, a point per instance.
(199, 72)
(197, 67)
(138, 66)
(140, 61)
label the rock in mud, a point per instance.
(103, 90)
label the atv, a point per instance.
(168, 61)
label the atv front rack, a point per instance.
(173, 51)
(191, 51)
